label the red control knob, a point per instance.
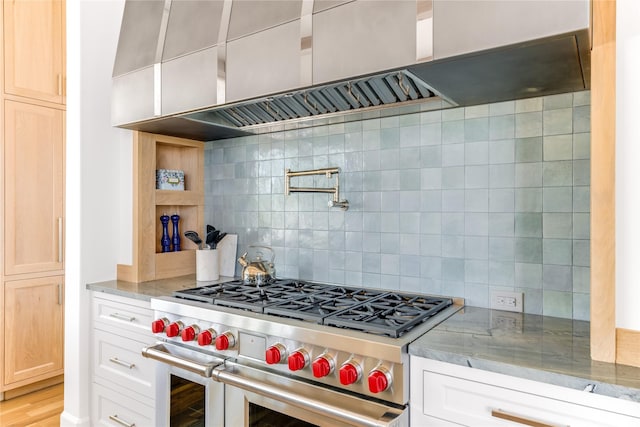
(379, 380)
(173, 330)
(298, 360)
(190, 333)
(225, 341)
(349, 373)
(206, 337)
(274, 354)
(322, 366)
(158, 326)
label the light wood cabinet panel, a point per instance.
(34, 328)
(34, 63)
(34, 186)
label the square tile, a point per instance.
(502, 127)
(582, 145)
(476, 224)
(453, 177)
(557, 278)
(528, 250)
(581, 253)
(452, 155)
(528, 174)
(557, 225)
(558, 121)
(476, 153)
(476, 200)
(453, 132)
(502, 151)
(502, 176)
(557, 173)
(558, 147)
(581, 226)
(557, 251)
(476, 176)
(528, 199)
(528, 275)
(501, 200)
(476, 271)
(453, 223)
(476, 129)
(581, 279)
(501, 249)
(553, 102)
(528, 105)
(528, 124)
(501, 273)
(501, 224)
(430, 156)
(528, 224)
(528, 149)
(557, 304)
(476, 247)
(582, 119)
(557, 199)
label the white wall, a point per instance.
(627, 161)
(98, 186)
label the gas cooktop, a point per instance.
(386, 313)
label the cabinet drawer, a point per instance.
(123, 314)
(473, 403)
(120, 360)
(111, 408)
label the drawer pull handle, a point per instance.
(121, 363)
(499, 413)
(121, 422)
(122, 317)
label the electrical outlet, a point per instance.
(507, 300)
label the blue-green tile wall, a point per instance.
(454, 202)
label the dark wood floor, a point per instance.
(41, 408)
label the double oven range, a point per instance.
(288, 353)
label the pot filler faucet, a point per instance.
(335, 202)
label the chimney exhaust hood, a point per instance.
(218, 69)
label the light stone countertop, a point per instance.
(154, 288)
(544, 349)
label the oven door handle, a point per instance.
(227, 377)
(160, 353)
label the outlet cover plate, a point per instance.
(507, 300)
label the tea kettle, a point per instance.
(256, 270)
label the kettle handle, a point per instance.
(273, 254)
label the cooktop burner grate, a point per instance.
(376, 312)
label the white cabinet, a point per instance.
(443, 394)
(124, 384)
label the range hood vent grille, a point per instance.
(373, 91)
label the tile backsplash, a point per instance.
(454, 202)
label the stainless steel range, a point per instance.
(309, 352)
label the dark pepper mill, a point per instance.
(175, 239)
(165, 241)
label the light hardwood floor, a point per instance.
(41, 408)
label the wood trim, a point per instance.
(603, 119)
(26, 389)
(628, 347)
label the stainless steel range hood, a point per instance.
(217, 69)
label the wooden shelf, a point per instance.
(153, 152)
(178, 198)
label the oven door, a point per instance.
(254, 397)
(186, 395)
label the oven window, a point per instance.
(187, 403)
(260, 416)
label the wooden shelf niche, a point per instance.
(151, 152)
